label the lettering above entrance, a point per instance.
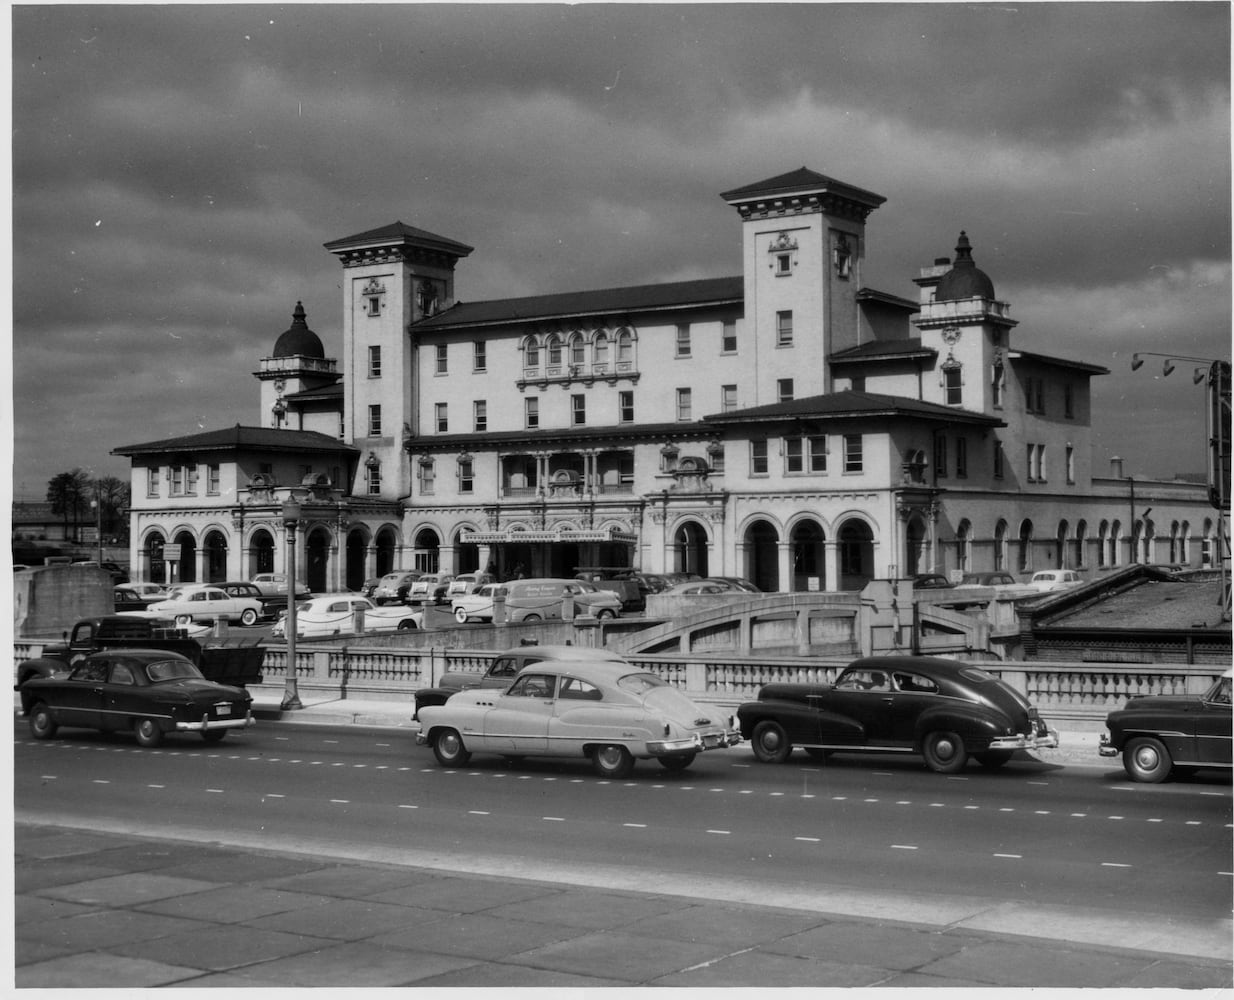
(513, 535)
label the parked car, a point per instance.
(714, 585)
(612, 713)
(429, 589)
(387, 590)
(151, 692)
(478, 605)
(148, 591)
(998, 581)
(1055, 579)
(335, 614)
(1159, 734)
(502, 671)
(127, 599)
(467, 583)
(542, 599)
(270, 603)
(931, 581)
(202, 601)
(943, 709)
(369, 585)
(272, 584)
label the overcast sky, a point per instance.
(177, 169)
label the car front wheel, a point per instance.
(449, 750)
(944, 752)
(460, 615)
(248, 617)
(612, 761)
(42, 724)
(1146, 759)
(406, 625)
(770, 742)
(604, 613)
(148, 733)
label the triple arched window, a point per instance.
(599, 352)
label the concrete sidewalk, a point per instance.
(108, 909)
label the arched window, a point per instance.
(1174, 542)
(1000, 545)
(1103, 533)
(552, 347)
(964, 546)
(1184, 544)
(531, 353)
(1060, 546)
(600, 348)
(1081, 531)
(1026, 546)
(578, 349)
(625, 349)
(1116, 529)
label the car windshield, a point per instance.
(170, 670)
(977, 675)
(1219, 693)
(640, 683)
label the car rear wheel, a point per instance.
(1146, 759)
(183, 621)
(213, 735)
(944, 752)
(148, 733)
(992, 760)
(248, 617)
(531, 618)
(612, 761)
(770, 742)
(677, 761)
(42, 724)
(449, 750)
(604, 613)
(406, 625)
(460, 616)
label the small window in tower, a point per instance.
(466, 475)
(479, 356)
(728, 337)
(374, 420)
(441, 411)
(784, 328)
(683, 340)
(578, 409)
(784, 264)
(480, 411)
(442, 367)
(784, 390)
(953, 385)
(374, 305)
(374, 361)
(625, 406)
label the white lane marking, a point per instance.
(721, 832)
(341, 802)
(477, 812)
(1014, 856)
(1113, 864)
(408, 807)
(553, 819)
(903, 847)
(809, 840)
(156, 786)
(215, 791)
(100, 781)
(274, 795)
(636, 826)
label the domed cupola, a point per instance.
(298, 340)
(965, 280)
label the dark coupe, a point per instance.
(943, 709)
(148, 691)
(1158, 733)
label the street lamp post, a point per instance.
(291, 520)
(97, 504)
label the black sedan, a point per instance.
(151, 692)
(1156, 734)
(943, 709)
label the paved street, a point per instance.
(301, 854)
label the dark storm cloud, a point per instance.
(177, 169)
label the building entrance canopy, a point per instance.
(512, 536)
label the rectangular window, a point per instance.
(1040, 407)
(818, 453)
(441, 359)
(728, 398)
(374, 420)
(442, 417)
(1041, 476)
(683, 340)
(853, 461)
(728, 338)
(784, 328)
(578, 409)
(758, 457)
(784, 390)
(794, 456)
(374, 362)
(479, 356)
(427, 474)
(625, 406)
(683, 404)
(961, 457)
(373, 480)
(1069, 401)
(152, 482)
(784, 263)
(531, 411)
(998, 376)
(953, 385)
(1070, 464)
(999, 461)
(1031, 465)
(480, 414)
(176, 473)
(213, 473)
(374, 305)
(940, 457)
(466, 475)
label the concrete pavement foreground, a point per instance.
(147, 904)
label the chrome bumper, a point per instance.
(205, 724)
(421, 738)
(1106, 748)
(1037, 741)
(695, 743)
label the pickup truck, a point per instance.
(503, 670)
(236, 664)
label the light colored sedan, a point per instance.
(201, 602)
(478, 605)
(1055, 579)
(610, 713)
(335, 614)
